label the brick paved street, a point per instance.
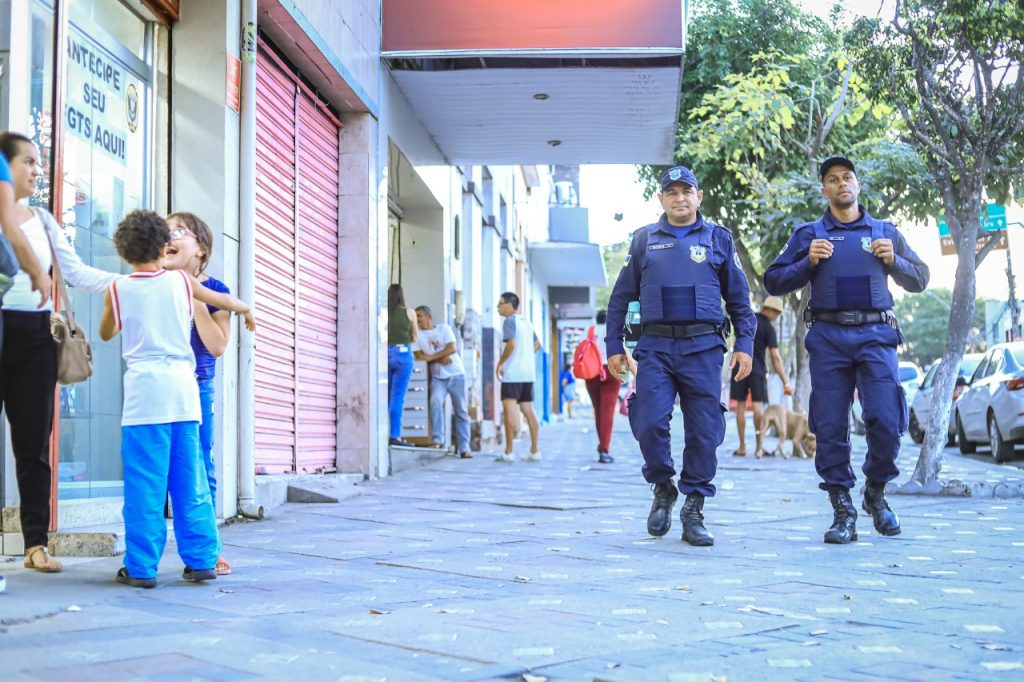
(475, 570)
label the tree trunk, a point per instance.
(929, 462)
(802, 372)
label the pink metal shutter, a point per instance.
(318, 159)
(275, 268)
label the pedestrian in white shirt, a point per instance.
(28, 363)
(436, 344)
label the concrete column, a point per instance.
(360, 318)
(204, 181)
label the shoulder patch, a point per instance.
(629, 257)
(736, 260)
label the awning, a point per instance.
(535, 81)
(568, 264)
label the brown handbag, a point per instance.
(74, 354)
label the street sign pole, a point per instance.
(1015, 330)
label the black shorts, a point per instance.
(519, 392)
(755, 384)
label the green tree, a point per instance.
(924, 321)
(614, 256)
(952, 69)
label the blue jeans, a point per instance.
(400, 363)
(206, 395)
(439, 390)
(159, 458)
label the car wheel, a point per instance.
(1002, 451)
(966, 446)
(916, 432)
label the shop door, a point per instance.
(297, 167)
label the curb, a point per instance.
(958, 488)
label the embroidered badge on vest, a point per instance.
(865, 243)
(698, 254)
(659, 247)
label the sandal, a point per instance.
(125, 578)
(47, 565)
(739, 453)
(222, 567)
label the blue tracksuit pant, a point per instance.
(162, 458)
(206, 397)
(697, 379)
(864, 357)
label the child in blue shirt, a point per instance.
(190, 251)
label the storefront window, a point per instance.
(106, 175)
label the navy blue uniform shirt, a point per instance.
(732, 283)
(792, 269)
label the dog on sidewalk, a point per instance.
(789, 425)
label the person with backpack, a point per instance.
(602, 385)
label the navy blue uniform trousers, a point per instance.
(697, 379)
(864, 357)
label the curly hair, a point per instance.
(202, 232)
(141, 237)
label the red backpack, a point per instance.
(586, 361)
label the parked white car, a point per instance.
(921, 407)
(991, 410)
(910, 378)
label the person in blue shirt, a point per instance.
(11, 228)
(190, 250)
(680, 268)
(848, 257)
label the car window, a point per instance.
(1018, 355)
(930, 376)
(907, 374)
(995, 363)
(969, 364)
(980, 371)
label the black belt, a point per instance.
(680, 331)
(850, 318)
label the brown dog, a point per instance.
(791, 425)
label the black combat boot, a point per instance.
(660, 519)
(886, 521)
(844, 523)
(694, 531)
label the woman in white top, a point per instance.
(28, 360)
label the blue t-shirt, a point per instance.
(206, 363)
(5, 171)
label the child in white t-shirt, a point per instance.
(152, 309)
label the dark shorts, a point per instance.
(519, 392)
(755, 384)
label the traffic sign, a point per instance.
(993, 220)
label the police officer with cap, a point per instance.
(848, 257)
(680, 268)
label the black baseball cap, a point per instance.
(835, 161)
(678, 174)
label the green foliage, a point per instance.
(767, 95)
(924, 321)
(951, 69)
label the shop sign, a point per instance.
(103, 103)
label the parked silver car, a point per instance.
(921, 407)
(991, 410)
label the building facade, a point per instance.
(332, 156)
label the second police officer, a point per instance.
(680, 268)
(847, 257)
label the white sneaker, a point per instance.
(505, 457)
(533, 457)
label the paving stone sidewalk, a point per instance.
(477, 570)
